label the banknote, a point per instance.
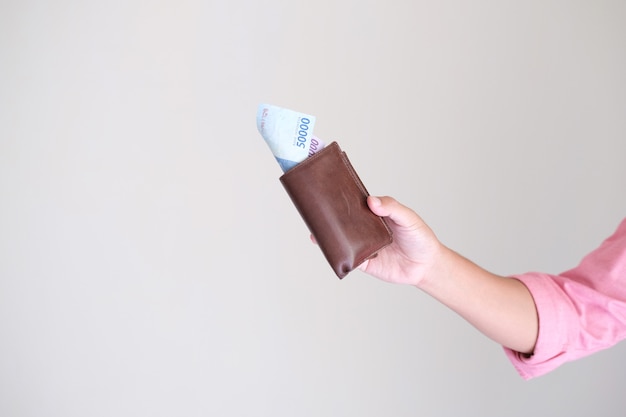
(288, 133)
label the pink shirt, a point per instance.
(581, 311)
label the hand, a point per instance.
(501, 308)
(413, 251)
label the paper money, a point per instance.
(288, 133)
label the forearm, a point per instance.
(501, 308)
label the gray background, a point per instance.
(152, 265)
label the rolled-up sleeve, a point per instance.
(581, 311)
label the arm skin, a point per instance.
(501, 308)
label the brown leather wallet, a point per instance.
(331, 199)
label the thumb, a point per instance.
(391, 208)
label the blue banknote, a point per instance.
(288, 133)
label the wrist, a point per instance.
(438, 268)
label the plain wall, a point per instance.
(152, 265)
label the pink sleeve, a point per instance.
(581, 311)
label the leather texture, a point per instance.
(331, 199)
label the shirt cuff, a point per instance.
(552, 307)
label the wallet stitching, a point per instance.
(361, 186)
(352, 172)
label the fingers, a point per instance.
(389, 207)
